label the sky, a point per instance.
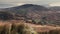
(28, 1)
(20, 2)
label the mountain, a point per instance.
(36, 14)
(55, 8)
(26, 8)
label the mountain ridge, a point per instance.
(34, 13)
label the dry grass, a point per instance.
(45, 29)
(15, 28)
(20, 27)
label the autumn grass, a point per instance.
(22, 28)
(16, 28)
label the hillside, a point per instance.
(55, 8)
(34, 14)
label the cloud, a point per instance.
(55, 4)
(27, 1)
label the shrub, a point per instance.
(16, 28)
(23, 29)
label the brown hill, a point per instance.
(35, 13)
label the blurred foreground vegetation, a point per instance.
(16, 28)
(22, 28)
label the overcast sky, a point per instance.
(19, 2)
(28, 1)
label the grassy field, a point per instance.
(20, 27)
(15, 28)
